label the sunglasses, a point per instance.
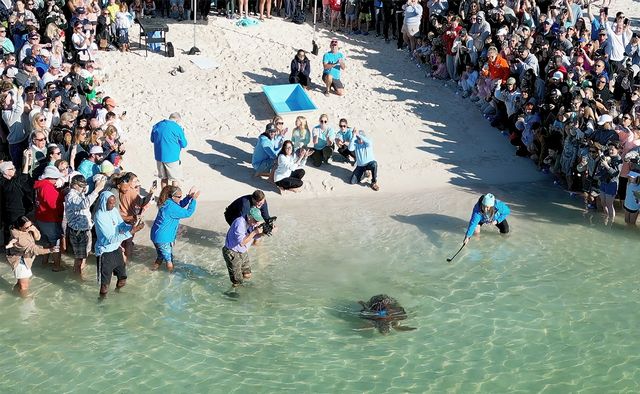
(39, 139)
(279, 123)
(343, 125)
(324, 121)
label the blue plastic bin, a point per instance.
(288, 99)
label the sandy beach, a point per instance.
(423, 138)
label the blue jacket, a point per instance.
(168, 139)
(477, 217)
(111, 230)
(165, 227)
(266, 148)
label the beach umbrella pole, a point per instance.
(194, 49)
(314, 46)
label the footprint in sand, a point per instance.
(327, 184)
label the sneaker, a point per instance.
(375, 186)
(366, 33)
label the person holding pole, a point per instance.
(488, 210)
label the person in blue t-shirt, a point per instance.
(488, 210)
(362, 148)
(168, 141)
(333, 63)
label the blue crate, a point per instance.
(288, 99)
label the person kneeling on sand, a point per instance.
(365, 161)
(288, 174)
(333, 64)
(301, 69)
(243, 231)
(171, 208)
(488, 210)
(266, 150)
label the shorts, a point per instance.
(22, 271)
(411, 31)
(631, 204)
(610, 188)
(164, 251)
(350, 17)
(171, 171)
(50, 232)
(365, 17)
(335, 83)
(110, 263)
(80, 241)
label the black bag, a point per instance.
(170, 50)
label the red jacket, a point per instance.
(449, 37)
(49, 202)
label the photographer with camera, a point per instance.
(171, 208)
(244, 231)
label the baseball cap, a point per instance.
(557, 76)
(255, 214)
(33, 34)
(29, 60)
(488, 200)
(511, 81)
(107, 168)
(79, 180)
(40, 97)
(56, 63)
(270, 127)
(45, 52)
(96, 150)
(67, 80)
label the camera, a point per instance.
(267, 226)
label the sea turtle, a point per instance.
(384, 312)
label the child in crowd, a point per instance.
(438, 66)
(301, 138)
(468, 80)
(112, 147)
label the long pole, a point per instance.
(454, 256)
(194, 50)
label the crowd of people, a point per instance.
(560, 79)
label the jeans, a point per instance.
(359, 171)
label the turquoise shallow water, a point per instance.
(551, 308)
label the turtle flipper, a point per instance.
(404, 328)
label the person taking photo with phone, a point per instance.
(171, 208)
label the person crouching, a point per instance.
(243, 231)
(365, 161)
(488, 210)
